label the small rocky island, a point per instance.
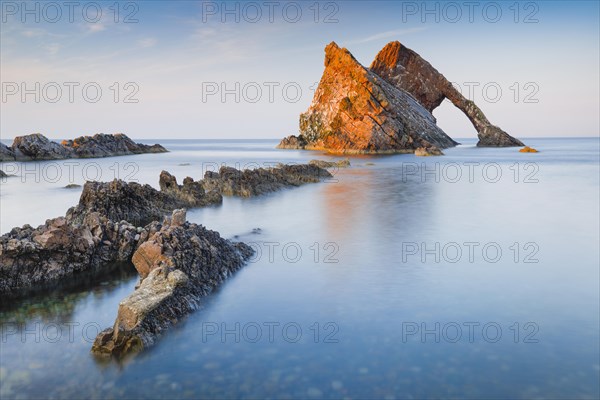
(385, 108)
(178, 262)
(38, 147)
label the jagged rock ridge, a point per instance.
(178, 264)
(38, 147)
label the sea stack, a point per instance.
(385, 108)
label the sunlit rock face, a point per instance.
(356, 111)
(384, 109)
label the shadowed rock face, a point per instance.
(407, 71)
(355, 111)
(38, 147)
(6, 153)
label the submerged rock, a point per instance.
(178, 264)
(72, 186)
(330, 164)
(428, 151)
(356, 111)
(38, 147)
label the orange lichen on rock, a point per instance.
(528, 149)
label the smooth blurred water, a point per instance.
(354, 268)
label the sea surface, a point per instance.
(472, 275)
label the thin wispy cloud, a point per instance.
(148, 42)
(97, 27)
(53, 48)
(388, 34)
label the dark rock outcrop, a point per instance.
(408, 71)
(356, 111)
(38, 147)
(191, 193)
(384, 109)
(140, 204)
(178, 264)
(253, 182)
(53, 254)
(6, 153)
(106, 225)
(101, 145)
(3, 174)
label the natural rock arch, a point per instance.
(408, 71)
(385, 108)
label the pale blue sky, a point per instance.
(180, 50)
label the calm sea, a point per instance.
(473, 275)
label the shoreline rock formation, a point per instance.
(34, 260)
(385, 108)
(38, 147)
(140, 204)
(254, 182)
(178, 264)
